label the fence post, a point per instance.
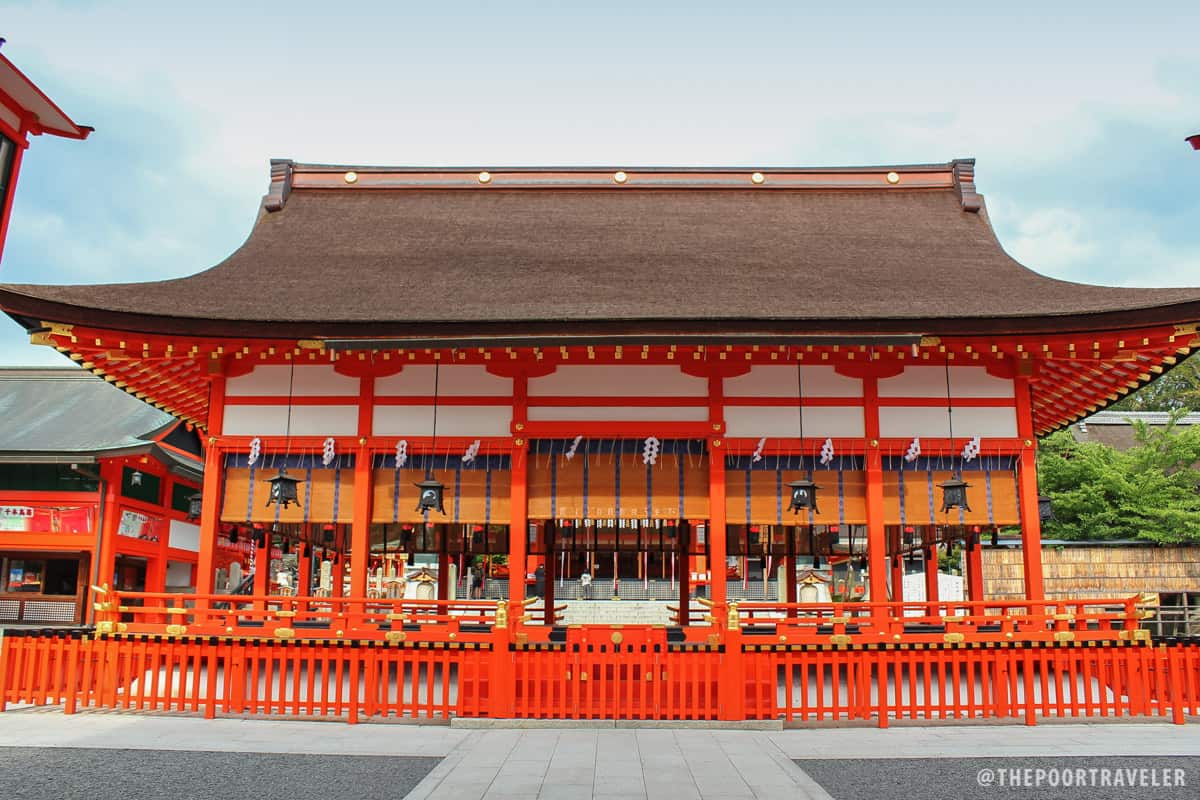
(1172, 653)
(501, 677)
(731, 688)
(882, 662)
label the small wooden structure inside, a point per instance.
(605, 371)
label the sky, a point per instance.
(1077, 113)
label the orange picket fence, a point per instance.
(365, 659)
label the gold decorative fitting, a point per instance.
(177, 610)
(617, 637)
(104, 627)
(519, 442)
(310, 344)
(176, 630)
(350, 177)
(1029, 442)
(953, 638)
(620, 177)
(341, 633)
(501, 614)
(395, 636)
(519, 426)
(485, 177)
(229, 630)
(285, 633)
(731, 617)
(782, 638)
(285, 614)
(839, 639)
(893, 178)
(1064, 636)
(757, 177)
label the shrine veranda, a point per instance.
(628, 374)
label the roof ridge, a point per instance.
(957, 174)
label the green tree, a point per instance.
(1150, 491)
(1179, 388)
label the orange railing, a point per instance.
(295, 617)
(601, 672)
(948, 621)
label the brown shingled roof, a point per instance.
(405, 252)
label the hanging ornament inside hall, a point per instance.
(431, 492)
(328, 451)
(650, 450)
(954, 491)
(804, 492)
(283, 490)
(255, 451)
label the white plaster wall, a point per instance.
(271, 380)
(618, 414)
(931, 382)
(935, 422)
(616, 380)
(184, 536)
(179, 575)
(452, 380)
(779, 421)
(780, 381)
(452, 420)
(306, 420)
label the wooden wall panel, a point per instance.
(467, 497)
(326, 495)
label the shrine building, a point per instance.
(660, 375)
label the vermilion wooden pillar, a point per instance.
(683, 567)
(518, 531)
(262, 570)
(716, 521)
(444, 561)
(1027, 489)
(931, 574)
(360, 528)
(214, 478)
(551, 573)
(877, 556)
(791, 594)
(974, 567)
(106, 559)
(304, 571)
(898, 578)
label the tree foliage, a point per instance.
(1150, 491)
(1177, 389)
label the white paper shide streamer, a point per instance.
(571, 450)
(472, 451)
(329, 451)
(827, 451)
(914, 450)
(401, 452)
(971, 450)
(758, 450)
(255, 451)
(651, 450)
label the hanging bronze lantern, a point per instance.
(804, 496)
(1045, 508)
(283, 490)
(954, 494)
(195, 505)
(431, 496)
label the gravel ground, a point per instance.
(93, 774)
(968, 778)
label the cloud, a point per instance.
(1077, 117)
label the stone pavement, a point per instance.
(675, 762)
